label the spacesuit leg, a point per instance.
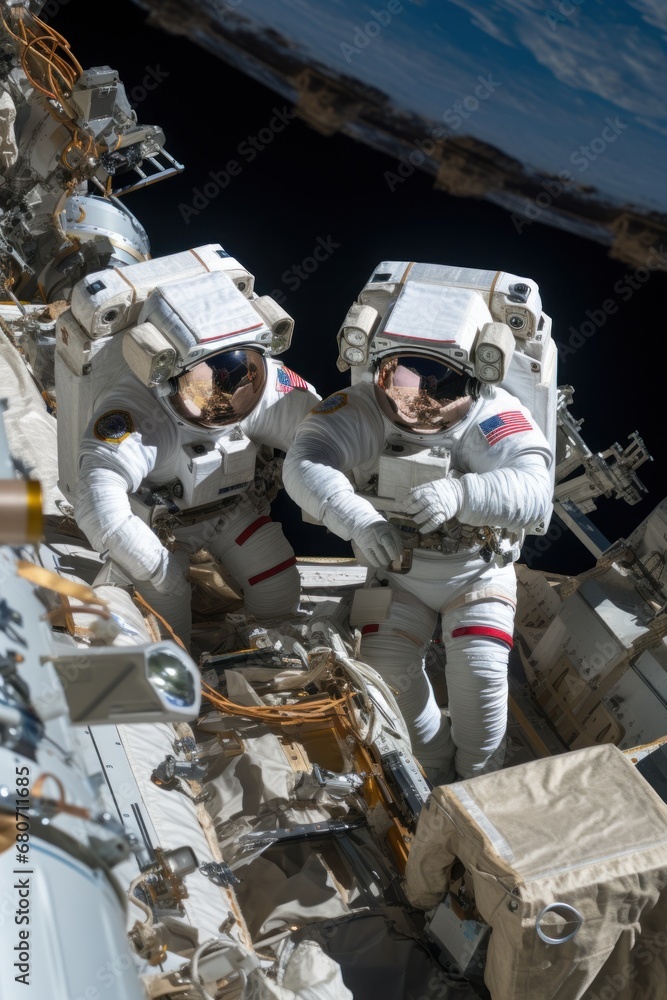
(395, 647)
(478, 640)
(254, 551)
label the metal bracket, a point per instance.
(219, 873)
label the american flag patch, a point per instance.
(503, 424)
(287, 380)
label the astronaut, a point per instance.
(171, 466)
(428, 465)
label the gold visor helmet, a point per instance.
(421, 393)
(222, 389)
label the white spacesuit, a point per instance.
(185, 456)
(419, 459)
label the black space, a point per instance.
(303, 187)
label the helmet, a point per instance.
(222, 389)
(422, 393)
(454, 314)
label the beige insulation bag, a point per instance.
(583, 829)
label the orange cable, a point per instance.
(144, 603)
(279, 714)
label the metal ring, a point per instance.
(569, 911)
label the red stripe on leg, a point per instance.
(485, 630)
(272, 572)
(251, 529)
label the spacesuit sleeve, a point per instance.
(342, 432)
(107, 472)
(510, 477)
(286, 400)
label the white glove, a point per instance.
(432, 504)
(352, 517)
(379, 542)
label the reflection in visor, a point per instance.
(220, 390)
(423, 394)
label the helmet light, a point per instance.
(493, 352)
(149, 354)
(354, 355)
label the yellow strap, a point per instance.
(144, 604)
(59, 804)
(43, 577)
(7, 832)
